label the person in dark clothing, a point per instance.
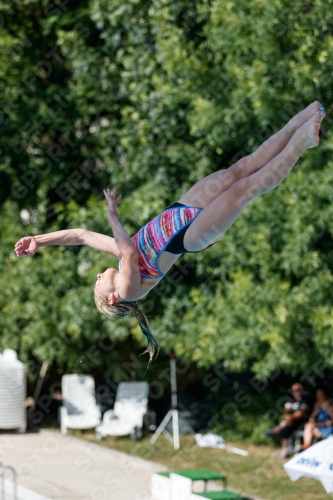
(320, 424)
(295, 415)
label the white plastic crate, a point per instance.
(160, 486)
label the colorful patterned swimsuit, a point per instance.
(164, 233)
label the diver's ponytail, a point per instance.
(145, 328)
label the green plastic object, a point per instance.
(165, 474)
(220, 495)
(201, 475)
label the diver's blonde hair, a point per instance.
(123, 308)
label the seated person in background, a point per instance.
(295, 415)
(320, 424)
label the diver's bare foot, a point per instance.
(307, 136)
(298, 120)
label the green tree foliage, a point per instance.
(149, 97)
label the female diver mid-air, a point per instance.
(196, 221)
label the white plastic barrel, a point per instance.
(13, 385)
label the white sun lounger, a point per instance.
(128, 412)
(79, 410)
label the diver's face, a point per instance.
(105, 283)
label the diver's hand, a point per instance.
(112, 201)
(26, 246)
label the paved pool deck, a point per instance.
(66, 468)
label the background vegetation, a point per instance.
(149, 97)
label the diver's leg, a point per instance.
(209, 188)
(210, 225)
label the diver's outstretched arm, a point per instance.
(129, 287)
(123, 239)
(100, 242)
(29, 244)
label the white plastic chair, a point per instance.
(128, 412)
(79, 410)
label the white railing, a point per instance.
(3, 494)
